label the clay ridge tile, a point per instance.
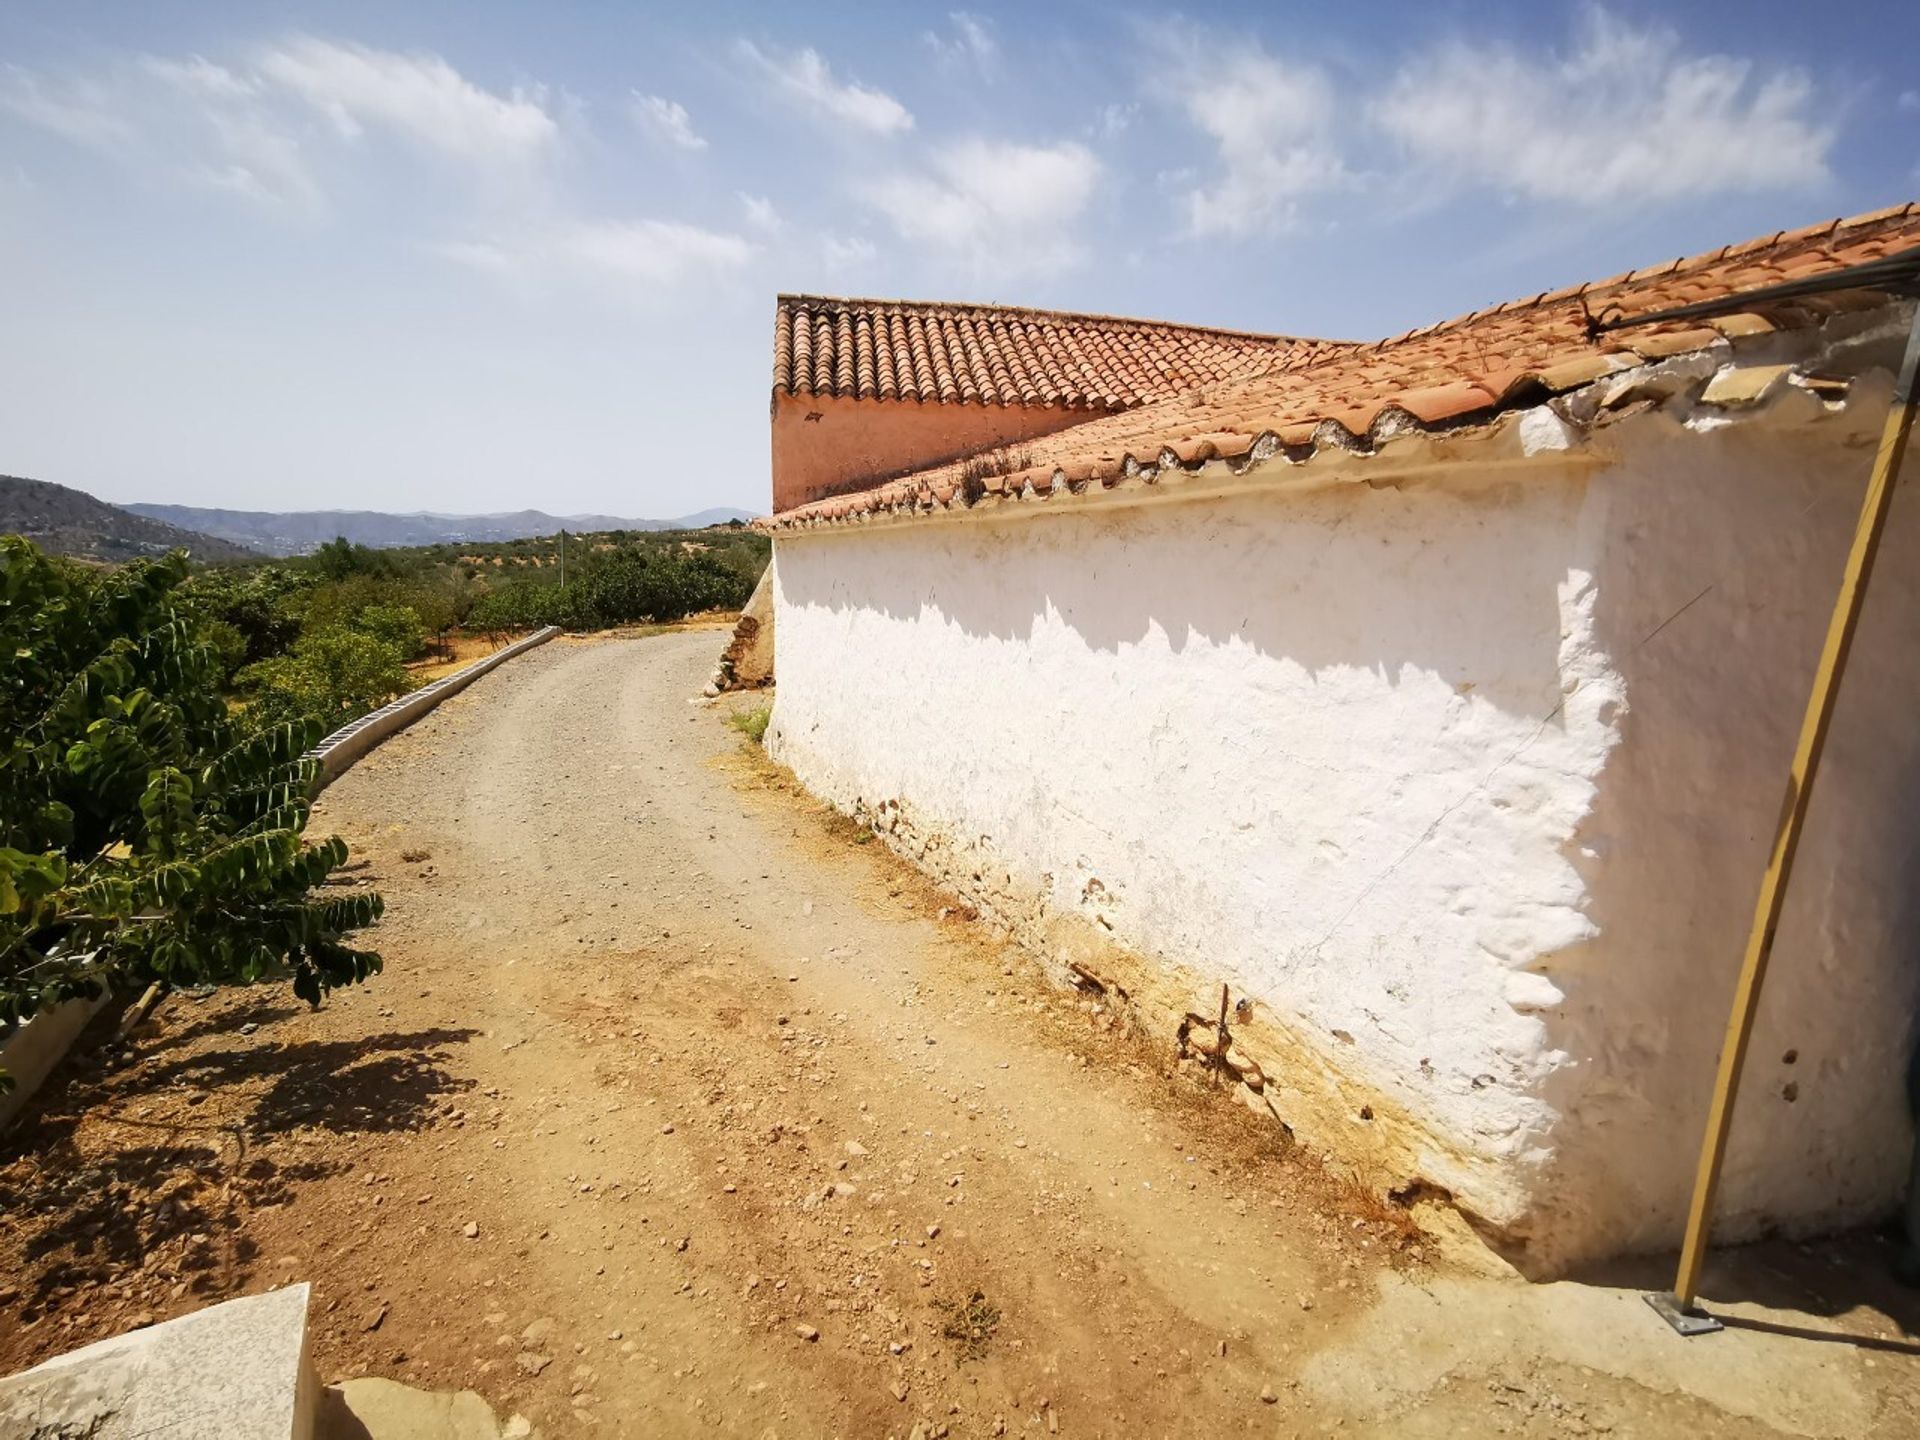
(1304, 393)
(1004, 355)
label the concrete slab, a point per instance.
(238, 1371)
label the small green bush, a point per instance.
(331, 676)
(752, 723)
(260, 604)
(395, 625)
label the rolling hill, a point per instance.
(296, 532)
(64, 521)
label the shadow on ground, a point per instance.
(371, 1084)
(196, 1143)
(223, 1019)
(1831, 1278)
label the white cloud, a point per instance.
(1271, 122)
(1624, 114)
(420, 97)
(1909, 100)
(760, 212)
(197, 75)
(972, 42)
(847, 252)
(483, 255)
(805, 77)
(652, 252)
(666, 121)
(250, 130)
(259, 160)
(999, 206)
(190, 119)
(81, 111)
(253, 154)
(637, 257)
(1110, 121)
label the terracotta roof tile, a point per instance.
(1660, 345)
(1003, 355)
(1435, 403)
(1580, 370)
(1180, 392)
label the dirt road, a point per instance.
(680, 1110)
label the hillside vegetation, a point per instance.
(300, 532)
(330, 636)
(64, 521)
(319, 640)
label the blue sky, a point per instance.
(484, 256)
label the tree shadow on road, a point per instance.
(376, 1084)
(143, 1178)
(222, 1019)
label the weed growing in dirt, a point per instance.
(752, 723)
(969, 1326)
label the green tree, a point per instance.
(331, 676)
(621, 587)
(339, 557)
(259, 603)
(395, 625)
(141, 837)
(442, 606)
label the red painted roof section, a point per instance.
(1458, 371)
(1005, 355)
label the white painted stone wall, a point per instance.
(1470, 777)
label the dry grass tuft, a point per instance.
(970, 1325)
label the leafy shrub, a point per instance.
(368, 602)
(395, 625)
(228, 644)
(330, 677)
(260, 605)
(142, 837)
(339, 557)
(521, 605)
(441, 606)
(622, 587)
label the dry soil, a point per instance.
(678, 1109)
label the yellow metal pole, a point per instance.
(1678, 1306)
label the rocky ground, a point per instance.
(680, 1109)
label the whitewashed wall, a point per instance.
(1418, 767)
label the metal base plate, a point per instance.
(1685, 1319)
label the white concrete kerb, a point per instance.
(30, 1052)
(339, 751)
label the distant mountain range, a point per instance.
(297, 532)
(71, 522)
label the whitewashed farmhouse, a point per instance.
(1433, 694)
